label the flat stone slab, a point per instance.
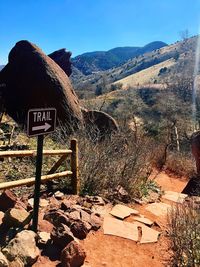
(174, 196)
(122, 211)
(158, 209)
(112, 226)
(149, 235)
(144, 220)
(116, 227)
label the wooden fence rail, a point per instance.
(64, 153)
(33, 153)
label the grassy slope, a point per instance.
(146, 76)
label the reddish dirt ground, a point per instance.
(170, 182)
(111, 251)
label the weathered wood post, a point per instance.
(75, 182)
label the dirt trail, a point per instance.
(170, 182)
(112, 251)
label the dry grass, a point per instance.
(180, 164)
(119, 160)
(184, 232)
(146, 76)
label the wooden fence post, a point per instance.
(75, 182)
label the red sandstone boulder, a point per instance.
(34, 80)
(61, 235)
(62, 58)
(7, 200)
(73, 255)
(79, 229)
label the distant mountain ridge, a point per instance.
(96, 61)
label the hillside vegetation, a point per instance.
(177, 60)
(147, 76)
(91, 62)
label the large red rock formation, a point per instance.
(34, 80)
(62, 58)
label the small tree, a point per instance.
(116, 86)
(98, 90)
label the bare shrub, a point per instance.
(115, 161)
(180, 164)
(184, 232)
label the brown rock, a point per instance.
(87, 225)
(35, 80)
(45, 226)
(56, 217)
(66, 205)
(86, 210)
(151, 197)
(73, 255)
(121, 194)
(54, 203)
(61, 235)
(95, 200)
(16, 217)
(79, 229)
(74, 215)
(85, 217)
(96, 222)
(52, 215)
(7, 200)
(87, 205)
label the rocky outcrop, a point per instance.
(60, 227)
(62, 58)
(34, 80)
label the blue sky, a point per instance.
(91, 25)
